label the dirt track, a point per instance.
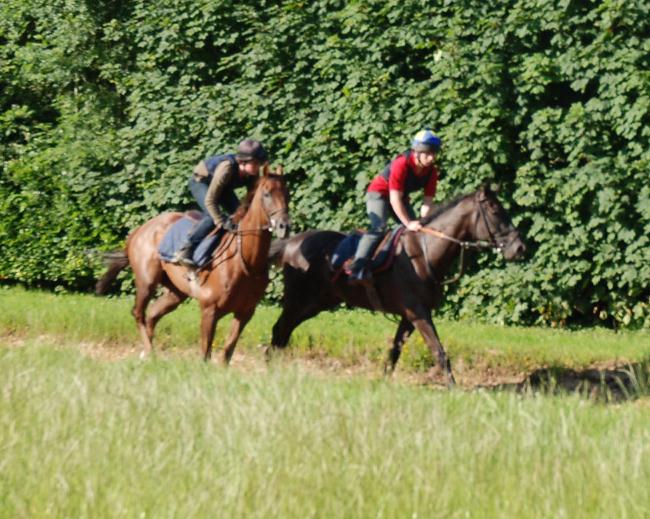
(611, 378)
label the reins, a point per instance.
(252, 230)
(465, 245)
(236, 234)
(478, 244)
(240, 232)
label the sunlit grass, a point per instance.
(348, 335)
(179, 438)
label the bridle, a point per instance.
(270, 227)
(240, 232)
(495, 242)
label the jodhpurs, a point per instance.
(203, 227)
(379, 210)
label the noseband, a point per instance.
(270, 227)
(497, 242)
(272, 222)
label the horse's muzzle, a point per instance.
(281, 227)
(515, 247)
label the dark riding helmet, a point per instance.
(426, 140)
(250, 149)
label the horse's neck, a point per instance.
(255, 238)
(441, 252)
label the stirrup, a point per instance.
(362, 277)
(190, 275)
(186, 262)
(183, 257)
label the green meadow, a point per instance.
(88, 436)
(350, 336)
(179, 438)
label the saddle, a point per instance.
(174, 238)
(382, 257)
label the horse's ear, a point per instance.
(265, 169)
(279, 170)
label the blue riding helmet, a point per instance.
(426, 140)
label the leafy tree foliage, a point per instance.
(105, 107)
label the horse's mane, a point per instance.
(443, 208)
(246, 202)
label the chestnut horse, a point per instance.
(411, 288)
(234, 281)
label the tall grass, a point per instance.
(178, 438)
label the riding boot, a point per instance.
(200, 230)
(359, 272)
(183, 256)
(360, 266)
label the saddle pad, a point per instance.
(175, 238)
(381, 259)
(345, 250)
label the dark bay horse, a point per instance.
(411, 288)
(235, 280)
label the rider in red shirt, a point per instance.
(388, 195)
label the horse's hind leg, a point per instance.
(239, 321)
(305, 296)
(403, 332)
(292, 315)
(162, 306)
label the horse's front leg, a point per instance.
(403, 332)
(209, 318)
(425, 326)
(239, 321)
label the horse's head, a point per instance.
(272, 189)
(492, 224)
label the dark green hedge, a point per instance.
(107, 105)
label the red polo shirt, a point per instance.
(400, 169)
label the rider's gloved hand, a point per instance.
(229, 225)
(414, 225)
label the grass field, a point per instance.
(88, 430)
(349, 336)
(179, 438)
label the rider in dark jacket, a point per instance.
(213, 184)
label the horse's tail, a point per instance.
(276, 252)
(116, 261)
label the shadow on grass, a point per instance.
(603, 385)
